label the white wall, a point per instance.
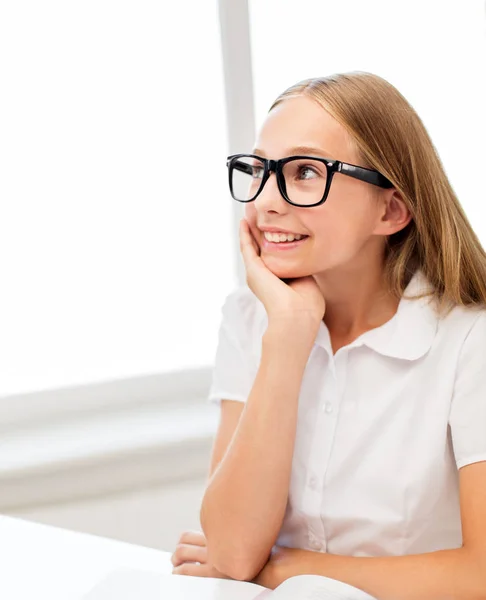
(153, 516)
(126, 460)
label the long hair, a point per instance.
(390, 137)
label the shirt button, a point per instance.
(328, 407)
(313, 482)
(314, 542)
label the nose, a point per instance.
(270, 196)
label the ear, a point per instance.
(395, 214)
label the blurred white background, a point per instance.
(118, 237)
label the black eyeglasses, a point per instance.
(302, 180)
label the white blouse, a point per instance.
(383, 425)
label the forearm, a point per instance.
(245, 500)
(442, 575)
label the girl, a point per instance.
(351, 370)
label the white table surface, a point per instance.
(39, 561)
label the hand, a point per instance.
(301, 296)
(191, 557)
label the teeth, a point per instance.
(282, 237)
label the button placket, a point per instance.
(319, 458)
(315, 543)
(331, 409)
(328, 415)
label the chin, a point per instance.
(286, 271)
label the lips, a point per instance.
(281, 246)
(302, 235)
(275, 230)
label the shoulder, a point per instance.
(474, 331)
(467, 416)
(453, 324)
(464, 323)
(462, 341)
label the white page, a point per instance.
(316, 587)
(136, 584)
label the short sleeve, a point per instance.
(235, 363)
(467, 417)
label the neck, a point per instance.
(356, 300)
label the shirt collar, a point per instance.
(408, 334)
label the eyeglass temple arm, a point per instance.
(241, 166)
(364, 175)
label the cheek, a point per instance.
(341, 236)
(351, 222)
(250, 213)
(336, 231)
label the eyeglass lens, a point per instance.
(305, 179)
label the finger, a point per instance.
(253, 238)
(189, 553)
(256, 245)
(247, 243)
(191, 569)
(197, 538)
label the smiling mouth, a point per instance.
(276, 238)
(272, 247)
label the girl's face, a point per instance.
(344, 231)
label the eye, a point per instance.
(306, 172)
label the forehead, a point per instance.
(302, 121)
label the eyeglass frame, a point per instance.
(332, 165)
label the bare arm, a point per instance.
(244, 503)
(230, 413)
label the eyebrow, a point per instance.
(300, 150)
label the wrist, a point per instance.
(288, 345)
(300, 331)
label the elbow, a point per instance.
(234, 565)
(221, 551)
(237, 570)
(249, 570)
(228, 556)
(228, 560)
(234, 562)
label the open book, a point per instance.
(135, 584)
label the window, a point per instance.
(115, 235)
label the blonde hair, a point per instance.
(390, 137)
